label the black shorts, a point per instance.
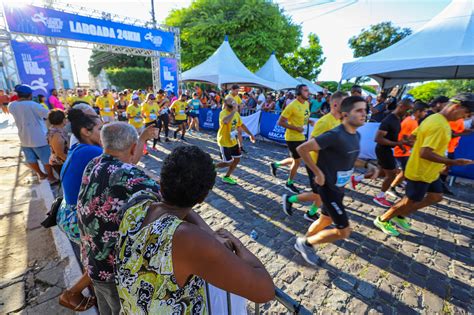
(332, 205)
(292, 145)
(451, 155)
(228, 154)
(385, 157)
(312, 184)
(416, 191)
(402, 161)
(178, 122)
(193, 115)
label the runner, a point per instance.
(409, 124)
(164, 118)
(337, 151)
(234, 94)
(194, 106)
(106, 103)
(229, 122)
(121, 107)
(386, 139)
(424, 187)
(326, 123)
(150, 111)
(294, 118)
(178, 110)
(134, 115)
(80, 97)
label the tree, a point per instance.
(305, 61)
(376, 38)
(131, 77)
(102, 60)
(255, 29)
(430, 90)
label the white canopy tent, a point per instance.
(224, 67)
(272, 71)
(442, 49)
(313, 88)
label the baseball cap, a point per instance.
(135, 97)
(23, 89)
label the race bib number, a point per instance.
(153, 116)
(107, 109)
(343, 177)
(181, 112)
(138, 119)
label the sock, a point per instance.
(313, 209)
(307, 243)
(277, 164)
(290, 181)
(381, 194)
(400, 217)
(293, 199)
(359, 178)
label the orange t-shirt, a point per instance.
(408, 125)
(457, 126)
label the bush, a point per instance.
(130, 78)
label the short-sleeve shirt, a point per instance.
(457, 127)
(106, 105)
(150, 111)
(434, 132)
(325, 123)
(179, 108)
(315, 106)
(195, 105)
(136, 119)
(236, 98)
(379, 116)
(408, 125)
(298, 116)
(390, 124)
(30, 120)
(107, 183)
(339, 151)
(75, 99)
(227, 133)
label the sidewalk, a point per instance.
(32, 271)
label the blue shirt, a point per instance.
(195, 104)
(71, 174)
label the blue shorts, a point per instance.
(32, 155)
(194, 115)
(416, 191)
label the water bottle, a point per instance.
(254, 234)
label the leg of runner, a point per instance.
(196, 124)
(293, 170)
(240, 140)
(183, 130)
(380, 198)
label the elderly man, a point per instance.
(30, 119)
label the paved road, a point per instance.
(428, 270)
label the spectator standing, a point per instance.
(4, 100)
(378, 111)
(260, 99)
(57, 139)
(269, 104)
(54, 101)
(315, 104)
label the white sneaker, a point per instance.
(307, 252)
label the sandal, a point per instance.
(86, 302)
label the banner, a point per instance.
(209, 118)
(269, 128)
(465, 150)
(251, 122)
(34, 66)
(169, 75)
(28, 19)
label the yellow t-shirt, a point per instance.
(73, 99)
(150, 111)
(227, 134)
(142, 97)
(135, 113)
(128, 97)
(179, 108)
(325, 123)
(236, 98)
(433, 133)
(106, 105)
(298, 116)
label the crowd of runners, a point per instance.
(143, 248)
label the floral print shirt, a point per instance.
(107, 184)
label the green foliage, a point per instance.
(369, 88)
(130, 77)
(430, 90)
(305, 61)
(332, 86)
(376, 38)
(255, 29)
(102, 60)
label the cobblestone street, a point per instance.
(428, 270)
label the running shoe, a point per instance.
(401, 223)
(167, 140)
(175, 134)
(287, 206)
(190, 132)
(446, 190)
(182, 138)
(309, 217)
(273, 169)
(292, 188)
(386, 227)
(307, 252)
(382, 201)
(392, 191)
(354, 183)
(229, 180)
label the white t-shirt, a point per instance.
(260, 101)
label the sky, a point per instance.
(334, 21)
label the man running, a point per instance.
(294, 118)
(164, 118)
(337, 151)
(194, 107)
(409, 124)
(234, 93)
(427, 160)
(229, 122)
(386, 139)
(178, 109)
(106, 103)
(326, 123)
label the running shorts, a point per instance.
(229, 153)
(292, 145)
(385, 157)
(332, 205)
(402, 161)
(416, 191)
